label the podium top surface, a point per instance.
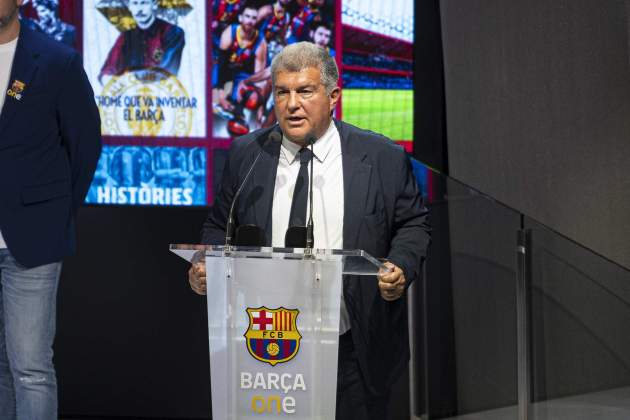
(354, 261)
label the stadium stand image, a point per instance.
(377, 70)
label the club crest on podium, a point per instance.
(272, 335)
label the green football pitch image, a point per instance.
(388, 112)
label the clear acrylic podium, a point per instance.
(273, 326)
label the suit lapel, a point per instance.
(23, 69)
(264, 184)
(356, 179)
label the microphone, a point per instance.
(274, 136)
(249, 235)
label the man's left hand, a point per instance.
(391, 283)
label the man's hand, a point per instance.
(197, 278)
(392, 283)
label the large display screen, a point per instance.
(176, 80)
(378, 67)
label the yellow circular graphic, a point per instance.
(273, 349)
(148, 103)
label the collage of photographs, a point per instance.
(176, 80)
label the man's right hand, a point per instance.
(197, 278)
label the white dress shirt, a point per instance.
(7, 51)
(328, 197)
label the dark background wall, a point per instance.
(538, 99)
(580, 312)
(132, 338)
(482, 242)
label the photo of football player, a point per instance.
(273, 22)
(197, 170)
(304, 19)
(321, 34)
(242, 54)
(152, 43)
(130, 167)
(170, 167)
(49, 23)
(224, 13)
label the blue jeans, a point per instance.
(28, 385)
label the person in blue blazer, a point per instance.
(366, 191)
(49, 145)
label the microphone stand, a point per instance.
(229, 228)
(308, 251)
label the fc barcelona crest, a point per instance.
(272, 336)
(18, 86)
(16, 89)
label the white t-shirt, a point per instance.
(7, 51)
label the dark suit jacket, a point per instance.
(49, 145)
(383, 215)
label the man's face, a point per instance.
(317, 3)
(247, 19)
(44, 13)
(143, 11)
(321, 36)
(302, 105)
(8, 11)
(279, 10)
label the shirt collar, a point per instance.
(321, 148)
(8, 46)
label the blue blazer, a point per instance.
(50, 142)
(383, 214)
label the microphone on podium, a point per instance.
(249, 232)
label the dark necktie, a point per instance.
(297, 216)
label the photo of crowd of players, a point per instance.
(140, 167)
(44, 16)
(246, 36)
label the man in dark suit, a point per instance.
(49, 146)
(382, 213)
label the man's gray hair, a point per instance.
(301, 55)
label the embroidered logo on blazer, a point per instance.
(272, 336)
(16, 89)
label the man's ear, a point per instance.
(334, 97)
